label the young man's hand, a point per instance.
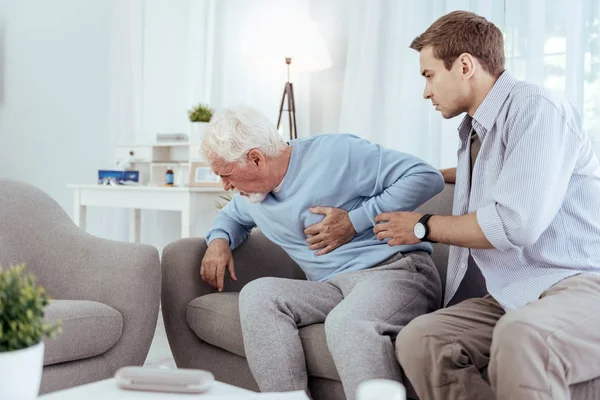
(399, 227)
(449, 175)
(335, 230)
(216, 260)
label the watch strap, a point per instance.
(423, 221)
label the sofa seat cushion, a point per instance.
(89, 328)
(215, 318)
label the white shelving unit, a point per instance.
(153, 160)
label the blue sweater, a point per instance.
(341, 171)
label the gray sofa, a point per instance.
(203, 326)
(106, 293)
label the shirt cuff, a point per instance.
(217, 234)
(360, 219)
(490, 223)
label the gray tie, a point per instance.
(473, 270)
(475, 146)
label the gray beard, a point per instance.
(255, 197)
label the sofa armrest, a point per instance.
(181, 282)
(257, 257)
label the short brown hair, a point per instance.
(464, 32)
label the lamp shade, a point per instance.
(301, 40)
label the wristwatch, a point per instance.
(422, 230)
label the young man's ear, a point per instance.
(467, 64)
(256, 157)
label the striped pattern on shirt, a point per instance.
(536, 191)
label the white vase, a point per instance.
(21, 373)
(197, 131)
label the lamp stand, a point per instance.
(288, 91)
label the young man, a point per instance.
(365, 291)
(526, 213)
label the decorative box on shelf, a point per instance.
(154, 160)
(114, 177)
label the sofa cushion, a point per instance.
(88, 329)
(215, 318)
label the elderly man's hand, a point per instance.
(399, 227)
(216, 260)
(335, 230)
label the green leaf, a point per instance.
(22, 305)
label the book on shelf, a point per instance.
(171, 137)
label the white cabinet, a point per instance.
(138, 153)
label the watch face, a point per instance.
(419, 230)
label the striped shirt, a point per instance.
(536, 191)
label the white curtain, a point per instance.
(382, 99)
(178, 53)
(125, 96)
(556, 43)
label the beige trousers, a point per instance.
(535, 352)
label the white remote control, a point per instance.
(164, 380)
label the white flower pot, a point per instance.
(197, 131)
(21, 373)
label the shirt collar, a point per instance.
(488, 111)
(291, 170)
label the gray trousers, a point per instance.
(363, 312)
(536, 352)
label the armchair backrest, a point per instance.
(31, 224)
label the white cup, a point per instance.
(380, 389)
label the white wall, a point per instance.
(80, 76)
(54, 116)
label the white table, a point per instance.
(197, 205)
(108, 390)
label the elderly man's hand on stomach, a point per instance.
(216, 260)
(335, 230)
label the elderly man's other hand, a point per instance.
(399, 227)
(216, 260)
(335, 230)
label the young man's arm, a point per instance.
(449, 175)
(540, 156)
(462, 231)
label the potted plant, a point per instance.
(199, 116)
(22, 332)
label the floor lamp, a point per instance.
(288, 92)
(302, 42)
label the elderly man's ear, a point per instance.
(256, 157)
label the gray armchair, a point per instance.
(106, 293)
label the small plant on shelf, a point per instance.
(200, 113)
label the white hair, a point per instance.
(238, 130)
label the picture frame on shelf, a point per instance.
(201, 175)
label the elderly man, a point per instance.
(365, 291)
